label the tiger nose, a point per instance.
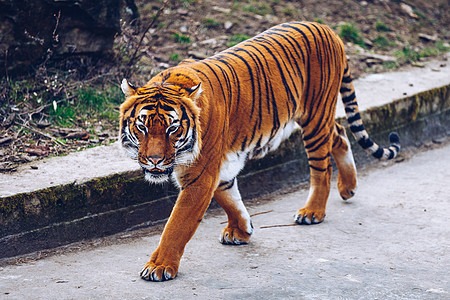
(155, 159)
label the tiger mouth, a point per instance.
(158, 172)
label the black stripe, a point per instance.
(365, 142)
(319, 169)
(354, 118)
(349, 98)
(347, 79)
(244, 144)
(379, 153)
(349, 109)
(252, 79)
(391, 154)
(344, 89)
(226, 185)
(356, 128)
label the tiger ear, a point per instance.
(195, 91)
(127, 89)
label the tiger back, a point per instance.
(199, 122)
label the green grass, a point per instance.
(87, 103)
(210, 23)
(319, 20)
(290, 12)
(188, 3)
(350, 33)
(381, 27)
(174, 57)
(382, 42)
(258, 8)
(182, 39)
(236, 39)
(410, 55)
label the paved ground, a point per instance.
(392, 241)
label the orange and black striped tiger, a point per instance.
(199, 122)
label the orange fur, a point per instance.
(200, 121)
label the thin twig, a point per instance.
(280, 225)
(54, 35)
(6, 67)
(43, 134)
(255, 214)
(133, 57)
(261, 213)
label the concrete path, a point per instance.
(391, 241)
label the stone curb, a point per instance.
(67, 213)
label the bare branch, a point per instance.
(161, 9)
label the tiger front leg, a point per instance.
(239, 228)
(181, 226)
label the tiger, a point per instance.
(198, 123)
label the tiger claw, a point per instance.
(234, 236)
(152, 272)
(304, 217)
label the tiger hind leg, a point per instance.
(239, 228)
(318, 148)
(343, 156)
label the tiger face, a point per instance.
(159, 128)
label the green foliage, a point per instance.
(382, 42)
(442, 47)
(236, 39)
(86, 103)
(350, 33)
(182, 39)
(188, 3)
(391, 65)
(381, 27)
(291, 12)
(174, 57)
(258, 8)
(318, 20)
(407, 55)
(210, 23)
(410, 55)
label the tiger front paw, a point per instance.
(234, 236)
(306, 216)
(161, 272)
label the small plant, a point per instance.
(407, 55)
(290, 11)
(174, 57)
(187, 3)
(318, 20)
(350, 33)
(381, 27)
(210, 23)
(258, 8)
(236, 39)
(180, 38)
(391, 65)
(434, 50)
(382, 42)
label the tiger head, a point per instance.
(159, 123)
